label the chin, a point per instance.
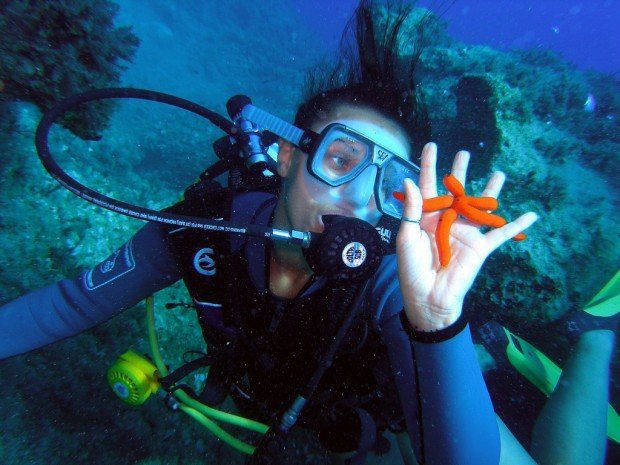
(317, 228)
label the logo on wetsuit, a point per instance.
(354, 254)
(108, 265)
(204, 262)
(115, 266)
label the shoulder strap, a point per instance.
(205, 198)
(206, 258)
(253, 207)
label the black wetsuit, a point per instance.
(448, 412)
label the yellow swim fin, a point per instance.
(607, 302)
(541, 371)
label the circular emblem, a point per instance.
(354, 254)
(204, 263)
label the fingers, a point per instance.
(498, 236)
(495, 184)
(428, 175)
(412, 210)
(459, 166)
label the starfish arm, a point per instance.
(429, 205)
(437, 203)
(462, 206)
(483, 203)
(400, 196)
(453, 185)
(442, 235)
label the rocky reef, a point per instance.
(524, 113)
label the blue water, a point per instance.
(586, 33)
(557, 152)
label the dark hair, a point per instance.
(369, 72)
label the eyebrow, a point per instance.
(350, 142)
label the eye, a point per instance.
(339, 161)
(343, 156)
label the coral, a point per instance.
(51, 50)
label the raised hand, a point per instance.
(433, 294)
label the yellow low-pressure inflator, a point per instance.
(133, 378)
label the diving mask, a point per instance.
(342, 154)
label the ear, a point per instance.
(285, 157)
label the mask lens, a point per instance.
(340, 157)
(390, 182)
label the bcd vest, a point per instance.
(272, 345)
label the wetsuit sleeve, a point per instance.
(140, 267)
(447, 407)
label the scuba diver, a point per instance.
(295, 336)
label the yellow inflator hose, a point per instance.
(197, 410)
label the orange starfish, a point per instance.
(475, 209)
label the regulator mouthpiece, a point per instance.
(349, 249)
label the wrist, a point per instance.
(426, 319)
(435, 334)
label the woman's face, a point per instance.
(305, 199)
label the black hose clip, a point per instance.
(252, 141)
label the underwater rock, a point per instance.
(522, 113)
(476, 123)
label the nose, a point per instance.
(359, 190)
